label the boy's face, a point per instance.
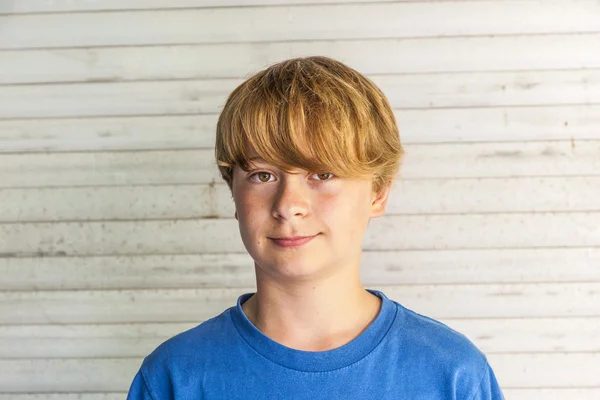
(272, 204)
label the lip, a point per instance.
(292, 241)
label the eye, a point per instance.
(262, 176)
(326, 176)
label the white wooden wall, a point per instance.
(117, 233)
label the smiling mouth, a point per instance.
(292, 241)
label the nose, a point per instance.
(291, 199)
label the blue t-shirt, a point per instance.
(400, 355)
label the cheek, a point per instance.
(340, 208)
(330, 207)
(250, 209)
(346, 213)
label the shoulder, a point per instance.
(439, 350)
(436, 339)
(194, 349)
(192, 343)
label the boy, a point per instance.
(309, 149)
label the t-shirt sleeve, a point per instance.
(139, 389)
(488, 388)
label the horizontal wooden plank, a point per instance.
(108, 168)
(236, 269)
(142, 272)
(590, 393)
(121, 133)
(318, 22)
(185, 305)
(430, 196)
(457, 160)
(520, 88)
(56, 6)
(71, 375)
(528, 335)
(440, 196)
(119, 202)
(484, 231)
(546, 370)
(112, 375)
(499, 300)
(531, 335)
(194, 131)
(403, 232)
(86, 341)
(126, 98)
(441, 232)
(237, 60)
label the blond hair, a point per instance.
(313, 113)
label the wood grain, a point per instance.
(493, 53)
(319, 22)
(195, 305)
(415, 91)
(160, 167)
(163, 132)
(235, 270)
(428, 196)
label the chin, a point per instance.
(284, 267)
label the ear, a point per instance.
(379, 200)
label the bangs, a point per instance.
(315, 115)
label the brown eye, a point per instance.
(325, 176)
(262, 176)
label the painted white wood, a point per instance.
(237, 269)
(194, 131)
(108, 133)
(42, 6)
(120, 202)
(112, 375)
(403, 91)
(185, 305)
(457, 161)
(84, 348)
(68, 375)
(118, 168)
(506, 335)
(237, 60)
(497, 124)
(531, 335)
(546, 370)
(499, 300)
(590, 393)
(473, 231)
(429, 196)
(404, 232)
(139, 272)
(100, 99)
(319, 22)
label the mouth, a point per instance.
(292, 241)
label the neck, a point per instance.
(310, 315)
